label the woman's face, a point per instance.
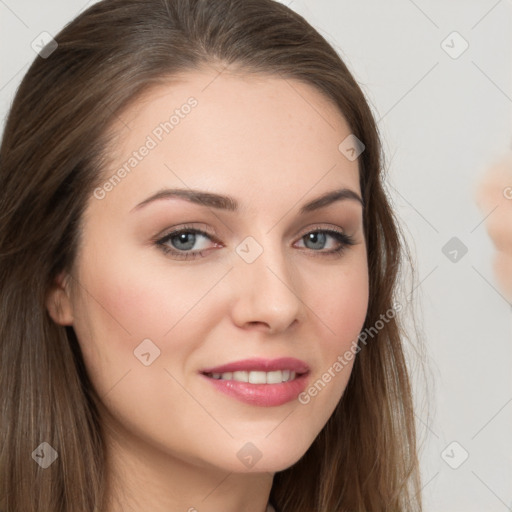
(153, 312)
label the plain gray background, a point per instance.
(444, 119)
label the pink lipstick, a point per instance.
(262, 382)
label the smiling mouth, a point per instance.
(257, 377)
(260, 382)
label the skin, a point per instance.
(272, 144)
(493, 195)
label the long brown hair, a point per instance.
(52, 153)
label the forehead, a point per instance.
(233, 133)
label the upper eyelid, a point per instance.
(185, 229)
(215, 238)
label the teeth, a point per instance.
(275, 377)
(240, 376)
(256, 377)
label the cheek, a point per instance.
(129, 300)
(343, 303)
(346, 308)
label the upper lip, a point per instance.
(259, 364)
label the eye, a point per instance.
(182, 243)
(319, 237)
(183, 240)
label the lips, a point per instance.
(262, 365)
(260, 382)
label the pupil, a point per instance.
(314, 237)
(182, 238)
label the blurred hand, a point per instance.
(494, 191)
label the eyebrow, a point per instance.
(224, 202)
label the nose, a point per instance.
(266, 291)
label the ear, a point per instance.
(58, 301)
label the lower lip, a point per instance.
(264, 395)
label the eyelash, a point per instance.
(343, 239)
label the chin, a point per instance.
(267, 455)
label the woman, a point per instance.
(199, 270)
